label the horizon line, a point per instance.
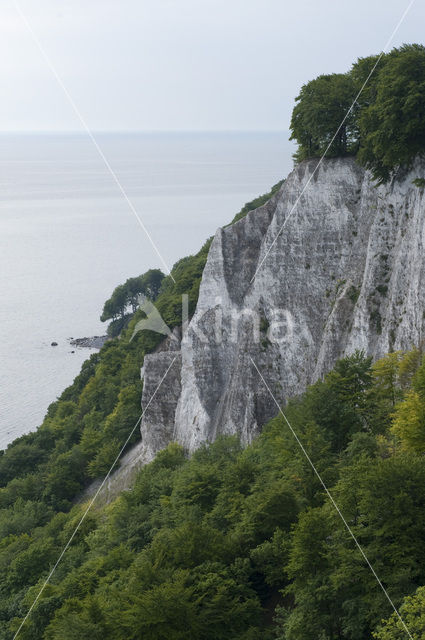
(133, 131)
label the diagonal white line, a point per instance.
(91, 502)
(387, 44)
(108, 166)
(332, 500)
(89, 133)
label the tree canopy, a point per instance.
(384, 126)
(412, 613)
(322, 106)
(233, 543)
(125, 299)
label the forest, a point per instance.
(239, 543)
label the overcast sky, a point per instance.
(182, 64)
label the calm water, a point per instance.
(67, 237)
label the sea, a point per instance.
(68, 236)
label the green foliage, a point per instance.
(187, 274)
(322, 105)
(353, 293)
(257, 202)
(335, 593)
(84, 430)
(117, 326)
(409, 416)
(337, 405)
(232, 543)
(386, 391)
(128, 295)
(419, 182)
(412, 613)
(392, 128)
(158, 563)
(386, 125)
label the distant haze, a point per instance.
(67, 237)
(182, 64)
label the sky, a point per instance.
(179, 65)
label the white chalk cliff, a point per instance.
(347, 272)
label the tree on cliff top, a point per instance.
(322, 106)
(386, 125)
(392, 127)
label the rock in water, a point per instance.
(94, 342)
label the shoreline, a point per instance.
(93, 342)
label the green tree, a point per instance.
(392, 127)
(65, 478)
(316, 612)
(336, 594)
(116, 305)
(365, 74)
(318, 116)
(126, 297)
(78, 620)
(409, 416)
(385, 392)
(385, 127)
(338, 403)
(409, 423)
(210, 602)
(412, 613)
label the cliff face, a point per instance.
(347, 272)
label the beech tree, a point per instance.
(376, 111)
(392, 127)
(127, 294)
(322, 106)
(124, 300)
(412, 613)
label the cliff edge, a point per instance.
(346, 272)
